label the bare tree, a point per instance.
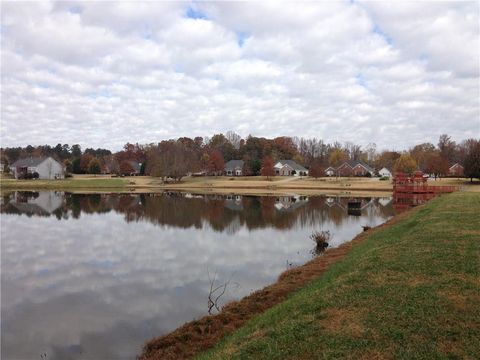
(216, 292)
(234, 139)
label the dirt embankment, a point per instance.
(200, 335)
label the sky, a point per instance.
(102, 74)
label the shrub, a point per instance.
(384, 178)
(321, 239)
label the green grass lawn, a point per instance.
(411, 291)
(69, 183)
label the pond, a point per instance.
(95, 276)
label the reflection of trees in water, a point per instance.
(222, 213)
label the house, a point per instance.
(352, 168)
(45, 167)
(384, 172)
(289, 168)
(330, 171)
(234, 168)
(456, 170)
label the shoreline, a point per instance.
(200, 335)
(220, 185)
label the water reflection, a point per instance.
(94, 276)
(222, 213)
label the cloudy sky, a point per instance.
(105, 73)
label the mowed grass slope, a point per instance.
(411, 291)
(64, 184)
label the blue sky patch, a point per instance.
(195, 14)
(241, 37)
(361, 80)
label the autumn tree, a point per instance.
(316, 169)
(447, 148)
(424, 154)
(126, 168)
(406, 164)
(337, 157)
(387, 159)
(267, 167)
(220, 143)
(171, 158)
(94, 166)
(216, 164)
(84, 162)
(436, 165)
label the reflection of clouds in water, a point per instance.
(98, 286)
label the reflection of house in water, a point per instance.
(234, 202)
(40, 203)
(361, 204)
(290, 202)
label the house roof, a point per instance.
(233, 164)
(456, 164)
(293, 164)
(353, 163)
(29, 162)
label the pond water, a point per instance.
(95, 276)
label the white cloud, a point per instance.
(102, 74)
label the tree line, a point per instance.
(176, 158)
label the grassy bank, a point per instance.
(409, 291)
(66, 184)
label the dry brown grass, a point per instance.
(345, 321)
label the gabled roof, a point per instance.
(233, 164)
(456, 164)
(29, 162)
(354, 163)
(293, 164)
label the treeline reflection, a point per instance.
(221, 212)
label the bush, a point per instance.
(383, 178)
(321, 239)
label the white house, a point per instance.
(384, 172)
(289, 168)
(45, 167)
(330, 171)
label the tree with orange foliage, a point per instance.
(267, 167)
(216, 164)
(85, 162)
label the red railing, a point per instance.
(413, 190)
